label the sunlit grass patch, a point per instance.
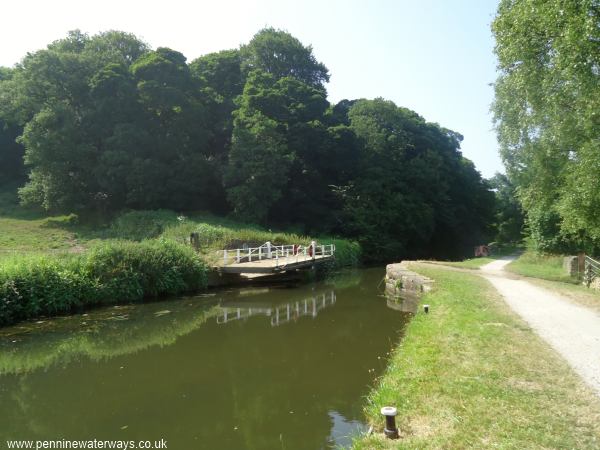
(547, 267)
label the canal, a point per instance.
(252, 368)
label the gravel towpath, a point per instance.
(572, 330)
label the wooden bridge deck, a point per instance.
(275, 265)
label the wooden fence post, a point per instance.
(581, 263)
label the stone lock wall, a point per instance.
(399, 280)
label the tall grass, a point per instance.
(114, 271)
(140, 225)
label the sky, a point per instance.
(432, 56)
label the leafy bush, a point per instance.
(347, 253)
(131, 271)
(113, 272)
(42, 285)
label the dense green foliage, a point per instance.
(546, 110)
(415, 193)
(509, 221)
(107, 124)
(113, 272)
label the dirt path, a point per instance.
(572, 330)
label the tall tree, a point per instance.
(547, 98)
(110, 124)
(107, 123)
(220, 77)
(416, 195)
(177, 161)
(283, 156)
(260, 160)
(12, 168)
(280, 54)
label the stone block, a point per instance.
(570, 265)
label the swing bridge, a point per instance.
(269, 258)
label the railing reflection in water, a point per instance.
(279, 314)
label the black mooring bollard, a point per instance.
(426, 309)
(390, 430)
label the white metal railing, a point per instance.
(291, 253)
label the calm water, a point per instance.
(277, 368)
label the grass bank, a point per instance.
(546, 267)
(471, 374)
(111, 272)
(27, 231)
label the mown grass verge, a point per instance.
(111, 272)
(547, 267)
(27, 231)
(471, 374)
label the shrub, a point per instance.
(130, 271)
(347, 253)
(113, 272)
(35, 286)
